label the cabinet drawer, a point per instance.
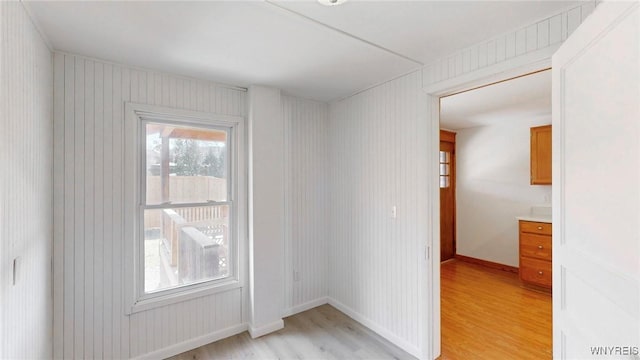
(536, 246)
(535, 227)
(535, 271)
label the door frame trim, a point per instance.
(429, 279)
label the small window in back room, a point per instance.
(445, 169)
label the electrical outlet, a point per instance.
(394, 212)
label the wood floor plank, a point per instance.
(319, 333)
(488, 314)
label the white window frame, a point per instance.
(136, 115)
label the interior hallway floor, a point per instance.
(319, 333)
(487, 314)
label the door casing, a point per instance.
(429, 294)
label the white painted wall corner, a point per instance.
(306, 306)
(378, 329)
(257, 331)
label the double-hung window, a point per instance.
(185, 208)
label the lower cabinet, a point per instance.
(535, 253)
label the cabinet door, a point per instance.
(541, 155)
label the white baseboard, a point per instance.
(306, 306)
(194, 343)
(277, 325)
(257, 331)
(402, 344)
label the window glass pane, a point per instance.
(185, 164)
(444, 156)
(444, 169)
(444, 181)
(184, 246)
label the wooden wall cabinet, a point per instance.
(541, 155)
(535, 253)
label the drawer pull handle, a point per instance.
(539, 272)
(539, 227)
(540, 247)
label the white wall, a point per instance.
(290, 206)
(89, 318)
(25, 186)
(378, 160)
(89, 244)
(266, 209)
(306, 125)
(492, 187)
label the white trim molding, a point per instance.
(136, 298)
(371, 325)
(306, 306)
(194, 343)
(257, 331)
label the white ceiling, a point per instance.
(527, 97)
(302, 47)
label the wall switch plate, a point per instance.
(296, 275)
(394, 212)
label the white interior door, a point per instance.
(596, 187)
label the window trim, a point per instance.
(136, 115)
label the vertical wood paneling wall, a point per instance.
(89, 244)
(26, 211)
(378, 160)
(544, 34)
(307, 202)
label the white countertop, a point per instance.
(539, 213)
(535, 217)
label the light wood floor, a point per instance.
(319, 333)
(487, 314)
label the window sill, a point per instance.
(192, 292)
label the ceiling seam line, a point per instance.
(380, 47)
(337, 100)
(36, 24)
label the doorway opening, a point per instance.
(485, 186)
